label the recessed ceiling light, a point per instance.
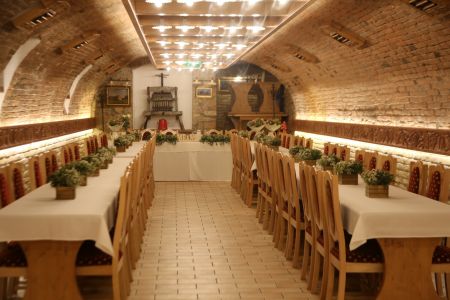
(162, 28)
(158, 3)
(167, 62)
(239, 46)
(256, 15)
(182, 44)
(164, 43)
(255, 29)
(184, 28)
(181, 55)
(208, 28)
(166, 55)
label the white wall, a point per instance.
(143, 77)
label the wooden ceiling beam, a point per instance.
(211, 21)
(263, 8)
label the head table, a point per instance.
(408, 228)
(51, 231)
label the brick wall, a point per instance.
(402, 78)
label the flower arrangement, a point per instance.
(294, 150)
(377, 177)
(348, 167)
(95, 162)
(65, 177)
(328, 162)
(83, 168)
(107, 153)
(121, 143)
(308, 154)
(166, 138)
(122, 121)
(260, 136)
(215, 139)
(272, 142)
(255, 123)
(243, 133)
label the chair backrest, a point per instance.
(247, 155)
(314, 199)
(295, 140)
(359, 156)
(343, 152)
(370, 160)
(213, 131)
(268, 164)
(333, 149)
(417, 177)
(16, 170)
(291, 185)
(77, 153)
(387, 163)
(95, 139)
(6, 188)
(103, 140)
(332, 210)
(264, 165)
(309, 143)
(169, 132)
(288, 143)
(304, 171)
(326, 148)
(280, 176)
(37, 173)
(258, 160)
(438, 183)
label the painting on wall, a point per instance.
(203, 92)
(224, 86)
(118, 96)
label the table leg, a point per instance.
(51, 270)
(407, 269)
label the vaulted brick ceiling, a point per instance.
(43, 79)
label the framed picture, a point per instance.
(203, 92)
(118, 95)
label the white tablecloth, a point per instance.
(402, 215)
(193, 161)
(133, 150)
(38, 216)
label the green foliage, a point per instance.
(271, 141)
(121, 141)
(93, 160)
(243, 133)
(377, 177)
(65, 177)
(106, 153)
(328, 160)
(166, 138)
(308, 154)
(255, 123)
(294, 150)
(83, 167)
(215, 139)
(348, 167)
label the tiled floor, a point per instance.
(203, 243)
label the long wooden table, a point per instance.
(51, 231)
(408, 228)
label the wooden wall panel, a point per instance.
(420, 139)
(11, 136)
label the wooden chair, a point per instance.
(36, 171)
(16, 176)
(6, 187)
(283, 137)
(367, 258)
(213, 131)
(320, 241)
(96, 143)
(93, 262)
(438, 183)
(370, 160)
(296, 224)
(309, 143)
(343, 152)
(333, 149)
(308, 251)
(326, 148)
(282, 221)
(289, 138)
(387, 163)
(261, 181)
(417, 177)
(295, 141)
(249, 176)
(169, 132)
(271, 191)
(103, 140)
(89, 148)
(359, 156)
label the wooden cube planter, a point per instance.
(104, 165)
(83, 180)
(328, 168)
(310, 162)
(95, 173)
(276, 148)
(377, 191)
(120, 148)
(348, 179)
(65, 193)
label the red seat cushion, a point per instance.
(13, 256)
(370, 252)
(441, 255)
(89, 255)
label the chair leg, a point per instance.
(330, 285)
(316, 272)
(306, 259)
(341, 285)
(311, 267)
(324, 285)
(296, 257)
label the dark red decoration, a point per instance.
(434, 188)
(4, 191)
(414, 179)
(19, 189)
(37, 174)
